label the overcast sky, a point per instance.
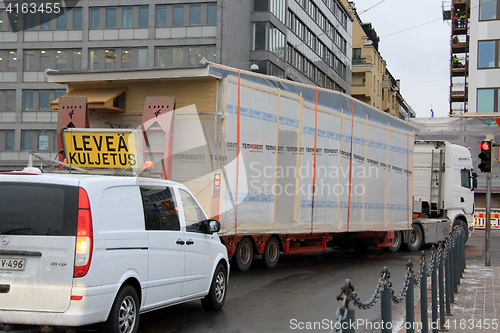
(415, 43)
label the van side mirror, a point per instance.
(211, 226)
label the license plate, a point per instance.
(12, 264)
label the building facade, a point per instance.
(309, 41)
(372, 82)
(484, 63)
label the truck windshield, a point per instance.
(38, 209)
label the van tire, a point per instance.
(271, 252)
(124, 314)
(243, 255)
(415, 238)
(217, 294)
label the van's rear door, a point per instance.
(37, 244)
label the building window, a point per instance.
(184, 15)
(40, 140)
(212, 14)
(7, 140)
(195, 15)
(110, 58)
(106, 58)
(210, 56)
(180, 56)
(7, 100)
(110, 18)
(77, 18)
(178, 16)
(488, 54)
(62, 20)
(177, 56)
(488, 10)
(194, 55)
(127, 17)
(8, 60)
(119, 17)
(95, 18)
(487, 100)
(39, 60)
(267, 37)
(39, 100)
(161, 16)
(259, 36)
(143, 16)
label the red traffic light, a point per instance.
(484, 145)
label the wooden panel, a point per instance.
(199, 94)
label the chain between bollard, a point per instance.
(382, 282)
(402, 296)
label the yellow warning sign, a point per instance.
(101, 150)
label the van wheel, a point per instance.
(217, 294)
(415, 238)
(243, 256)
(124, 315)
(398, 240)
(271, 252)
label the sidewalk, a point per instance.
(475, 307)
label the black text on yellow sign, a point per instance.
(101, 150)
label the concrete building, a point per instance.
(372, 82)
(484, 68)
(309, 41)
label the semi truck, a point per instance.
(284, 166)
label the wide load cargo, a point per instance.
(311, 160)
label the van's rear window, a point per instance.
(38, 209)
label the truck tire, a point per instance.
(271, 252)
(124, 314)
(466, 231)
(398, 240)
(243, 255)
(415, 238)
(217, 294)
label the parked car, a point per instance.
(78, 250)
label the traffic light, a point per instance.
(485, 156)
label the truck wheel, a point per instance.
(124, 315)
(217, 294)
(398, 240)
(243, 256)
(415, 238)
(271, 252)
(466, 231)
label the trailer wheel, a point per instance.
(271, 252)
(243, 256)
(415, 238)
(398, 240)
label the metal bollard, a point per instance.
(386, 300)
(448, 280)
(424, 317)
(349, 316)
(452, 271)
(410, 304)
(457, 264)
(434, 293)
(442, 314)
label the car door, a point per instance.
(199, 262)
(165, 245)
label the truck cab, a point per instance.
(443, 188)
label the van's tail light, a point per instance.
(84, 236)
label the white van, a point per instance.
(77, 250)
